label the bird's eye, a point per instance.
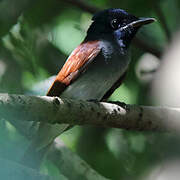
(114, 24)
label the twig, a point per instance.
(82, 5)
(65, 160)
(55, 110)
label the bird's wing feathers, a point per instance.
(77, 63)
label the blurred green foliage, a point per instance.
(36, 38)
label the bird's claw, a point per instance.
(122, 104)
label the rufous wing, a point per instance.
(77, 63)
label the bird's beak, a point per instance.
(142, 21)
(139, 22)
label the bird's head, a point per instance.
(115, 24)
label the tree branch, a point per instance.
(82, 5)
(67, 161)
(55, 110)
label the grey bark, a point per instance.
(55, 110)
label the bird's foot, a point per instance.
(122, 104)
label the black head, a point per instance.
(115, 24)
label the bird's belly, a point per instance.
(98, 79)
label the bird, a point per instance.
(98, 65)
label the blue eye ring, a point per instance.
(114, 24)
